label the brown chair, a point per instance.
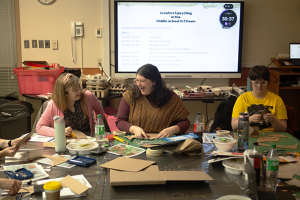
(292, 120)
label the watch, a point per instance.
(46, 2)
(9, 143)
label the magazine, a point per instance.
(36, 169)
(125, 150)
(48, 161)
(41, 138)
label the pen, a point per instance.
(76, 161)
(20, 197)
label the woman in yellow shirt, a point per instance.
(275, 120)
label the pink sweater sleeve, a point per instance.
(45, 125)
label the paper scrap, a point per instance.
(293, 182)
(295, 146)
(56, 159)
(74, 185)
(277, 135)
(49, 144)
(127, 164)
(268, 139)
(288, 170)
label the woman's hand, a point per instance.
(138, 132)
(268, 117)
(256, 118)
(12, 185)
(9, 151)
(68, 130)
(168, 132)
(15, 142)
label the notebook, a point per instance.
(263, 195)
(295, 53)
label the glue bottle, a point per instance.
(60, 136)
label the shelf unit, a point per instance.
(290, 95)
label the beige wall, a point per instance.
(269, 26)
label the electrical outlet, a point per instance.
(26, 44)
(99, 60)
(34, 43)
(54, 44)
(41, 43)
(47, 43)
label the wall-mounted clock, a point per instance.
(46, 2)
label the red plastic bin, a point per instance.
(37, 81)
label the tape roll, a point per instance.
(154, 151)
(119, 133)
(223, 132)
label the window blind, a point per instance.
(8, 48)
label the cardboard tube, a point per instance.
(223, 132)
(154, 151)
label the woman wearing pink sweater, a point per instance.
(73, 104)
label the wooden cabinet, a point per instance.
(281, 82)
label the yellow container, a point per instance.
(52, 185)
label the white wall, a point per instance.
(53, 22)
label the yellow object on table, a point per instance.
(120, 139)
(72, 134)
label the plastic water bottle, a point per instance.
(256, 159)
(198, 127)
(243, 131)
(60, 136)
(99, 129)
(272, 165)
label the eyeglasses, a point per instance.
(140, 81)
(257, 83)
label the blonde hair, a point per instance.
(62, 86)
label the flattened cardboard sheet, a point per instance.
(149, 176)
(268, 139)
(127, 164)
(74, 185)
(19, 144)
(152, 176)
(185, 176)
(56, 159)
(79, 135)
(49, 144)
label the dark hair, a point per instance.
(159, 93)
(259, 72)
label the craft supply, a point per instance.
(119, 133)
(19, 174)
(72, 135)
(119, 139)
(154, 151)
(82, 161)
(52, 190)
(222, 132)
